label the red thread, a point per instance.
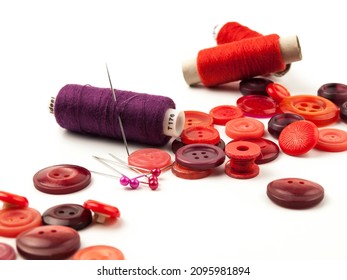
(240, 60)
(233, 31)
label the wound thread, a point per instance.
(234, 31)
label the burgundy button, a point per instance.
(343, 112)
(48, 243)
(335, 92)
(177, 143)
(295, 193)
(7, 252)
(70, 215)
(257, 106)
(255, 86)
(200, 156)
(62, 179)
(278, 122)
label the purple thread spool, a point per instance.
(147, 119)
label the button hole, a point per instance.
(71, 213)
(61, 212)
(54, 230)
(41, 232)
(301, 183)
(197, 158)
(290, 182)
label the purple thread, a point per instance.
(92, 110)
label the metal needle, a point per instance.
(119, 119)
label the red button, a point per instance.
(150, 158)
(298, 138)
(188, 173)
(13, 200)
(295, 193)
(332, 140)
(98, 252)
(193, 118)
(13, 221)
(224, 113)
(257, 106)
(244, 128)
(200, 134)
(316, 109)
(200, 156)
(101, 210)
(48, 243)
(7, 252)
(62, 179)
(277, 92)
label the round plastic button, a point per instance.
(277, 92)
(62, 179)
(13, 221)
(98, 252)
(200, 156)
(200, 134)
(48, 243)
(298, 138)
(7, 252)
(13, 200)
(254, 86)
(316, 109)
(257, 106)
(332, 140)
(193, 118)
(224, 113)
(177, 143)
(335, 92)
(149, 158)
(101, 210)
(187, 173)
(280, 121)
(343, 112)
(295, 193)
(70, 215)
(244, 128)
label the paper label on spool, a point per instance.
(173, 123)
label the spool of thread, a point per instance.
(146, 118)
(242, 59)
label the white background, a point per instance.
(45, 45)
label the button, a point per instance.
(335, 92)
(332, 140)
(269, 150)
(98, 252)
(244, 128)
(177, 143)
(200, 134)
(150, 158)
(187, 173)
(343, 112)
(7, 252)
(295, 193)
(298, 138)
(280, 121)
(200, 156)
(62, 179)
(254, 86)
(48, 243)
(70, 215)
(257, 106)
(13, 200)
(193, 118)
(277, 92)
(102, 211)
(316, 109)
(224, 113)
(15, 220)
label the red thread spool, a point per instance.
(241, 60)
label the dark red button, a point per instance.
(343, 112)
(200, 156)
(177, 143)
(332, 140)
(102, 211)
(200, 134)
(188, 173)
(7, 252)
(280, 121)
(13, 221)
(254, 86)
(13, 200)
(62, 179)
(335, 92)
(70, 215)
(98, 252)
(257, 106)
(48, 243)
(295, 193)
(224, 113)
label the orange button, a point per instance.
(224, 113)
(193, 118)
(316, 109)
(332, 140)
(190, 174)
(243, 128)
(200, 134)
(150, 158)
(98, 252)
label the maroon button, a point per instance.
(278, 122)
(200, 156)
(177, 143)
(295, 193)
(7, 252)
(335, 92)
(255, 86)
(48, 243)
(62, 179)
(257, 106)
(70, 215)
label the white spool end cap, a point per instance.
(173, 123)
(216, 30)
(290, 49)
